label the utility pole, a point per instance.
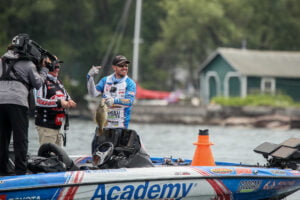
(136, 40)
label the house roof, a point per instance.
(260, 63)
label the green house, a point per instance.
(238, 72)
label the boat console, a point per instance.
(283, 155)
(118, 148)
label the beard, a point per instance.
(121, 75)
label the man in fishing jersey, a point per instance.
(117, 89)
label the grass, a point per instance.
(257, 100)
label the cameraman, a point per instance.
(20, 71)
(51, 102)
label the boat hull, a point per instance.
(161, 182)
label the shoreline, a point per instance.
(250, 116)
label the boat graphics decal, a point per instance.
(146, 190)
(81, 159)
(295, 172)
(243, 171)
(3, 197)
(222, 171)
(271, 185)
(69, 192)
(246, 186)
(278, 172)
(135, 184)
(222, 192)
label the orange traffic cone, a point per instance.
(203, 155)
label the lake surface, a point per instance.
(231, 144)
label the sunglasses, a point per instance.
(122, 65)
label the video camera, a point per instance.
(31, 50)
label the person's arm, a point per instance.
(71, 103)
(35, 78)
(42, 101)
(92, 88)
(90, 81)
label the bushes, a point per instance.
(257, 100)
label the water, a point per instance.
(231, 144)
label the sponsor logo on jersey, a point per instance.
(125, 101)
(114, 114)
(131, 93)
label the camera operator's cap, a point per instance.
(119, 59)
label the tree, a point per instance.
(191, 30)
(177, 36)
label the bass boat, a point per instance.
(118, 171)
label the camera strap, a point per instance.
(8, 66)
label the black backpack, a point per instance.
(42, 164)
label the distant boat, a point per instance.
(142, 93)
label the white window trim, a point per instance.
(209, 75)
(263, 82)
(243, 80)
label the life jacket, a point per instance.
(51, 117)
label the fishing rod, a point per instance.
(66, 128)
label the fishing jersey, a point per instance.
(123, 91)
(48, 112)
